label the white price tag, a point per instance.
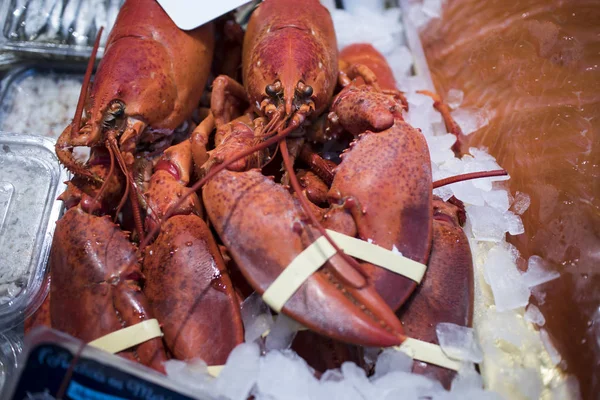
(190, 14)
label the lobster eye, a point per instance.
(307, 91)
(271, 91)
(116, 108)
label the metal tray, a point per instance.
(53, 29)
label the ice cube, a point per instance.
(454, 98)
(508, 286)
(487, 224)
(529, 383)
(539, 294)
(444, 192)
(330, 4)
(466, 379)
(391, 360)
(537, 272)
(440, 147)
(336, 391)
(395, 385)
(458, 342)
(521, 203)
(549, 346)
(193, 375)
(417, 16)
(497, 199)
(256, 316)
(432, 8)
(401, 61)
(285, 375)
(568, 389)
(534, 315)
(333, 375)
(240, 372)
(514, 223)
(466, 192)
(357, 378)
(470, 120)
(282, 333)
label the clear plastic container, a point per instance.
(40, 99)
(31, 178)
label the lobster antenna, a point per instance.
(469, 176)
(303, 202)
(86, 83)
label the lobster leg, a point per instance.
(446, 292)
(226, 99)
(187, 284)
(451, 125)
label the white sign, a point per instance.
(190, 14)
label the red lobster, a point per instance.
(148, 84)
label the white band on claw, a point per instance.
(128, 337)
(317, 254)
(427, 352)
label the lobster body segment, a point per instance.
(290, 57)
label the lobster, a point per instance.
(285, 88)
(148, 84)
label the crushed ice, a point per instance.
(458, 342)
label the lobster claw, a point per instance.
(264, 239)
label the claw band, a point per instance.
(427, 352)
(128, 337)
(215, 370)
(317, 254)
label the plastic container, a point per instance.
(40, 99)
(58, 29)
(30, 180)
(53, 363)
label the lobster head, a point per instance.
(290, 63)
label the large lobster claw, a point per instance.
(265, 237)
(96, 283)
(386, 176)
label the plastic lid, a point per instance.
(30, 180)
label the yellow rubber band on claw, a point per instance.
(394, 262)
(215, 370)
(295, 274)
(128, 337)
(317, 254)
(427, 352)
